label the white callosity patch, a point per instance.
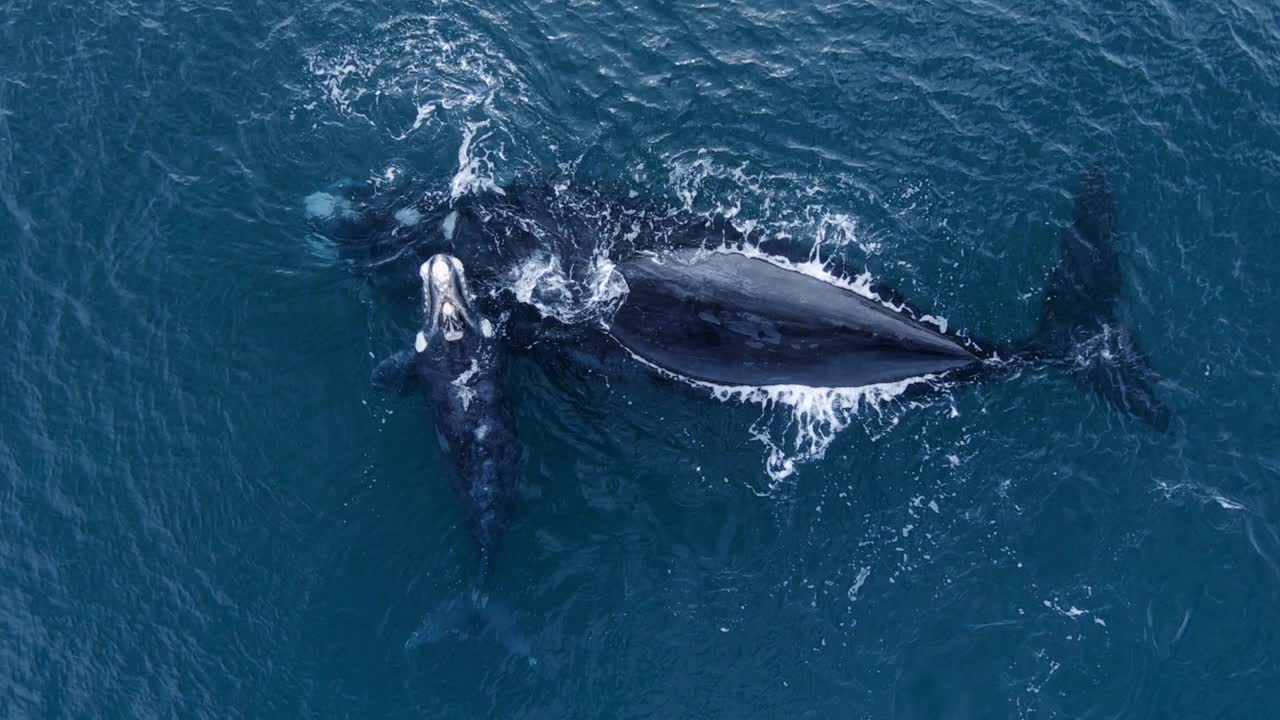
(420, 342)
(449, 224)
(451, 320)
(446, 298)
(441, 273)
(461, 384)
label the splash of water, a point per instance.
(812, 416)
(797, 424)
(542, 282)
(815, 417)
(475, 166)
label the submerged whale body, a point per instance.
(1081, 323)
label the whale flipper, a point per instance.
(1081, 323)
(397, 373)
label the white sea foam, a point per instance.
(815, 268)
(425, 110)
(1228, 504)
(542, 282)
(863, 574)
(817, 416)
(814, 416)
(836, 231)
(475, 168)
(413, 73)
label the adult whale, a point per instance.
(726, 318)
(457, 364)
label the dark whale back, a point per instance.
(1086, 284)
(730, 319)
(476, 432)
(474, 426)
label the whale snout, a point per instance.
(449, 305)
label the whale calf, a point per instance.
(457, 364)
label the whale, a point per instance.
(703, 304)
(697, 303)
(456, 363)
(735, 319)
(728, 318)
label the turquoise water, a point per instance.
(207, 512)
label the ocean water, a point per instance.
(205, 510)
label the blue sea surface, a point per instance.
(207, 512)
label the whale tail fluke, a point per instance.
(475, 613)
(1081, 324)
(470, 614)
(1115, 366)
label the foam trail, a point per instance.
(425, 111)
(475, 171)
(817, 415)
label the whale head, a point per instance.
(449, 313)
